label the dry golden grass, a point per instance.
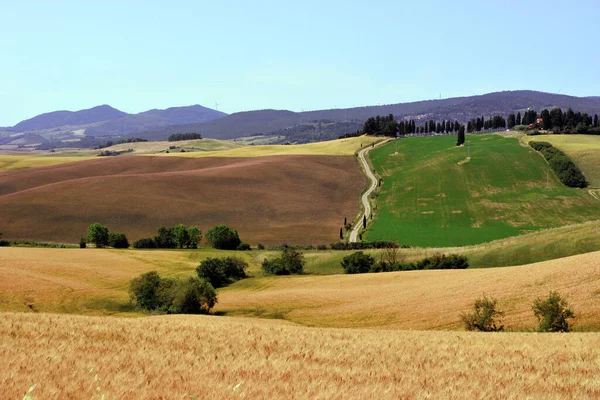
(212, 145)
(16, 162)
(216, 357)
(339, 147)
(584, 150)
(90, 281)
(419, 299)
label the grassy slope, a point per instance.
(340, 147)
(191, 357)
(428, 199)
(419, 299)
(584, 150)
(95, 282)
(14, 162)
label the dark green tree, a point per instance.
(144, 290)
(98, 234)
(181, 236)
(357, 263)
(223, 237)
(195, 237)
(511, 121)
(546, 120)
(364, 222)
(518, 121)
(341, 233)
(595, 120)
(118, 240)
(461, 136)
(165, 238)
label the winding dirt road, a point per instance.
(365, 196)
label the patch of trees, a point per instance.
(175, 137)
(379, 244)
(566, 170)
(101, 237)
(359, 262)
(222, 271)
(290, 262)
(495, 122)
(177, 237)
(388, 126)
(558, 121)
(112, 153)
(3, 243)
(552, 313)
(192, 295)
(223, 237)
(110, 143)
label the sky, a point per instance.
(305, 55)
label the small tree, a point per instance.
(291, 262)
(98, 234)
(223, 237)
(144, 243)
(195, 237)
(485, 316)
(82, 244)
(364, 222)
(357, 263)
(165, 238)
(181, 236)
(118, 240)
(144, 290)
(193, 296)
(552, 313)
(222, 271)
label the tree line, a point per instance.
(557, 121)
(175, 137)
(566, 170)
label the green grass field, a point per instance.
(433, 196)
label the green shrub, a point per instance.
(176, 296)
(223, 237)
(98, 234)
(222, 271)
(484, 318)
(357, 263)
(291, 262)
(244, 247)
(118, 240)
(564, 168)
(82, 244)
(552, 313)
(144, 243)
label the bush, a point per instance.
(222, 271)
(181, 236)
(98, 234)
(118, 240)
(357, 263)
(552, 313)
(82, 244)
(564, 168)
(291, 262)
(187, 296)
(244, 247)
(484, 318)
(144, 243)
(260, 246)
(223, 237)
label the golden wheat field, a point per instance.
(204, 357)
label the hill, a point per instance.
(132, 124)
(190, 356)
(269, 122)
(69, 118)
(433, 196)
(270, 200)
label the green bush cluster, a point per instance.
(101, 237)
(358, 263)
(485, 316)
(290, 262)
(566, 170)
(379, 244)
(178, 236)
(222, 271)
(173, 296)
(223, 237)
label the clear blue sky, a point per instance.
(246, 55)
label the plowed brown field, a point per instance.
(270, 200)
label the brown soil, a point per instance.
(270, 200)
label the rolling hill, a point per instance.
(267, 122)
(69, 118)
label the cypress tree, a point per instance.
(595, 120)
(341, 233)
(364, 222)
(519, 118)
(345, 221)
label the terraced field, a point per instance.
(433, 195)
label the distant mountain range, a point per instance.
(105, 121)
